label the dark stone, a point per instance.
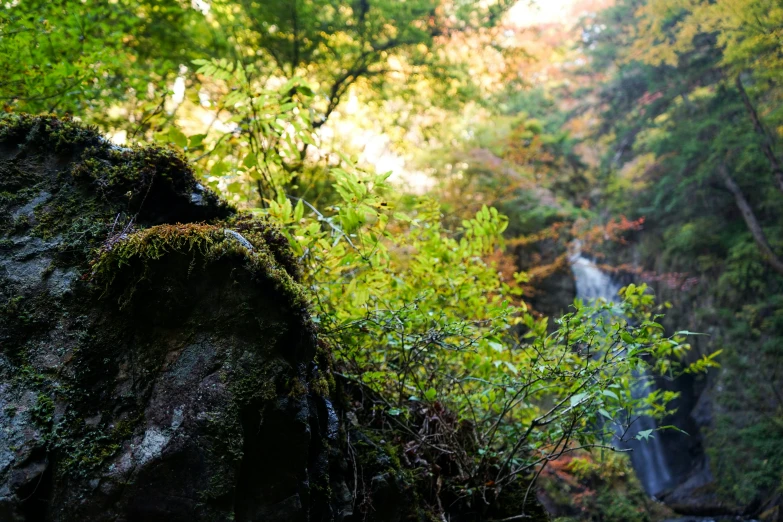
(552, 286)
(138, 384)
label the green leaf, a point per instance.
(673, 427)
(195, 141)
(498, 347)
(644, 435)
(177, 137)
(579, 397)
(298, 210)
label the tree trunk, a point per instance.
(766, 140)
(750, 220)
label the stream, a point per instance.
(648, 458)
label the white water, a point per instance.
(648, 457)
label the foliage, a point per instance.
(600, 487)
(84, 57)
(689, 120)
(411, 300)
(128, 65)
(421, 320)
(266, 148)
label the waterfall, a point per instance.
(647, 457)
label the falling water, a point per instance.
(647, 457)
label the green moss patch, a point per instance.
(204, 244)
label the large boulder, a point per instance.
(156, 355)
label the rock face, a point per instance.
(163, 373)
(157, 359)
(553, 287)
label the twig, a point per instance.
(326, 220)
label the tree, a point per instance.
(86, 57)
(116, 65)
(689, 122)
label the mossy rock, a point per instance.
(155, 345)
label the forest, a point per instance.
(391, 260)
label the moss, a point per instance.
(12, 306)
(50, 219)
(93, 449)
(95, 179)
(263, 233)
(206, 244)
(45, 131)
(30, 375)
(320, 385)
(225, 453)
(144, 180)
(323, 383)
(256, 382)
(296, 388)
(322, 488)
(83, 448)
(77, 240)
(20, 318)
(377, 456)
(43, 410)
